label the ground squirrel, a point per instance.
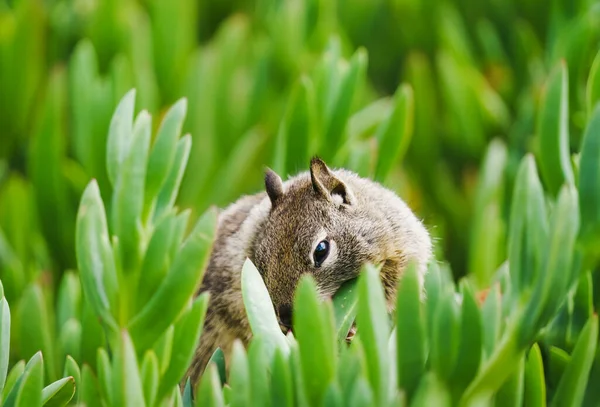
(324, 222)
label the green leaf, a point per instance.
(557, 362)
(341, 103)
(95, 257)
(4, 340)
(511, 392)
(394, 134)
(446, 337)
(589, 182)
(471, 341)
(164, 149)
(128, 195)
(281, 381)
(69, 298)
(258, 363)
(549, 293)
(187, 394)
(431, 392)
(120, 135)
(362, 395)
(373, 325)
(487, 245)
(553, 131)
(126, 382)
(293, 145)
(14, 374)
(170, 188)
(528, 228)
(534, 391)
(89, 393)
(209, 390)
(164, 347)
(186, 337)
(150, 377)
(239, 377)
(178, 287)
(70, 339)
(105, 375)
(491, 314)
(410, 317)
(259, 308)
(345, 303)
(316, 341)
(59, 393)
(333, 396)
(218, 359)
(72, 369)
(35, 332)
(27, 391)
(571, 388)
(156, 259)
(593, 86)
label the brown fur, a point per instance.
(278, 230)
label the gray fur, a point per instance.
(364, 221)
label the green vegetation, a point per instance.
(123, 123)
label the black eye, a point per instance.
(321, 252)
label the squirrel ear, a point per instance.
(327, 184)
(273, 185)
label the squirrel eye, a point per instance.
(321, 252)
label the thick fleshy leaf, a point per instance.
(218, 359)
(395, 132)
(593, 85)
(511, 392)
(345, 303)
(120, 135)
(4, 341)
(95, 257)
(163, 152)
(59, 393)
(72, 369)
(128, 195)
(471, 340)
(259, 309)
(13, 375)
(27, 391)
(431, 392)
(281, 381)
(446, 337)
(89, 393)
(126, 382)
(186, 337)
(178, 287)
(170, 187)
(373, 325)
(150, 377)
(571, 388)
(209, 392)
(534, 391)
(589, 181)
(528, 228)
(553, 132)
(410, 331)
(105, 375)
(239, 377)
(314, 332)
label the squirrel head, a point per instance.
(330, 223)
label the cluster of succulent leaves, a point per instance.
(489, 107)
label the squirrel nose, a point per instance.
(285, 315)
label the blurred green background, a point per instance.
(271, 82)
